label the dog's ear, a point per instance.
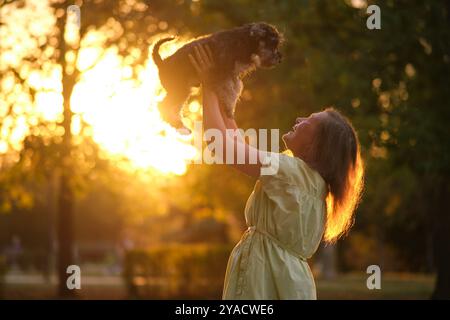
(257, 30)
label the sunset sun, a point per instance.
(124, 118)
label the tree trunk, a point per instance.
(65, 202)
(65, 214)
(65, 234)
(441, 243)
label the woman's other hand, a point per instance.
(203, 63)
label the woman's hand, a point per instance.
(203, 63)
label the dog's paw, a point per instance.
(174, 120)
(184, 131)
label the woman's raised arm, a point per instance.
(232, 149)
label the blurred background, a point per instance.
(90, 174)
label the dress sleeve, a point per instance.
(290, 177)
(278, 182)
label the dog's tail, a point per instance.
(155, 54)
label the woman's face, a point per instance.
(300, 137)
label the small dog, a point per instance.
(236, 52)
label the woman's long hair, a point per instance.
(335, 154)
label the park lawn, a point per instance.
(393, 286)
(344, 287)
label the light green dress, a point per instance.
(285, 214)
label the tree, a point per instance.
(58, 48)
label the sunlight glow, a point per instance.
(124, 116)
(118, 104)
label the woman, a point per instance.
(312, 196)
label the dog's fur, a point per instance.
(236, 53)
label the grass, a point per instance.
(393, 286)
(348, 286)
